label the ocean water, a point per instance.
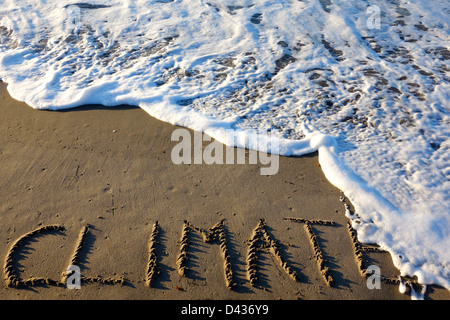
(364, 83)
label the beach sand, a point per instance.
(101, 178)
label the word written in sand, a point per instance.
(260, 240)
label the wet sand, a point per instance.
(96, 187)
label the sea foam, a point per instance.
(371, 98)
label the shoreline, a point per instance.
(110, 169)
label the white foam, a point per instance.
(373, 102)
